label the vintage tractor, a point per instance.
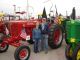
(72, 51)
(12, 33)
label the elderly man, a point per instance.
(45, 32)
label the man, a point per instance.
(45, 32)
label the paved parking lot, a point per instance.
(56, 54)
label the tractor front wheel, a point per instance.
(76, 53)
(3, 47)
(55, 36)
(22, 53)
(68, 52)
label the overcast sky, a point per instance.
(38, 5)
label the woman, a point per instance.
(37, 38)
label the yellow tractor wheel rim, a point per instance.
(70, 52)
(78, 55)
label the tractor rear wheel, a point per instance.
(55, 36)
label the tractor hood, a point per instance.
(16, 26)
(73, 29)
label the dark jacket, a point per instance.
(45, 30)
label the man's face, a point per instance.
(43, 20)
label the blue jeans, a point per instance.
(37, 45)
(44, 42)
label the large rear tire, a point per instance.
(55, 36)
(22, 53)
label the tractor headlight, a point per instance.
(72, 40)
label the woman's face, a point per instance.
(37, 24)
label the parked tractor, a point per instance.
(72, 51)
(10, 34)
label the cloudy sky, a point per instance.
(36, 6)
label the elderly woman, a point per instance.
(37, 38)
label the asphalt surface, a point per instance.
(53, 54)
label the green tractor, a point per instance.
(72, 50)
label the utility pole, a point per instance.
(56, 11)
(19, 8)
(14, 9)
(66, 13)
(27, 10)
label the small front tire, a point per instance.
(22, 53)
(68, 52)
(3, 47)
(76, 53)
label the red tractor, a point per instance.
(12, 33)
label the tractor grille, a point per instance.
(73, 30)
